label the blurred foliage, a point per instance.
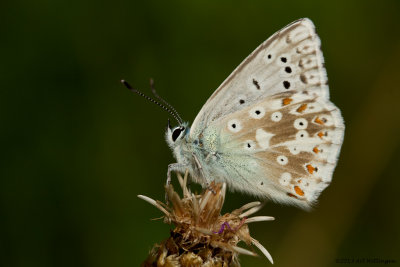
(77, 147)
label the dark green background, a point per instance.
(77, 147)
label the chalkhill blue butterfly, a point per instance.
(270, 129)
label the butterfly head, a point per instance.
(175, 135)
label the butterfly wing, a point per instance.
(284, 147)
(279, 135)
(289, 59)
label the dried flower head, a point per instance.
(202, 237)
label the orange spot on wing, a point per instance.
(302, 108)
(310, 168)
(318, 120)
(299, 191)
(320, 134)
(287, 101)
(291, 195)
(316, 150)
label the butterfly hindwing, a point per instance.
(285, 146)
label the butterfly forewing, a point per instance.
(278, 134)
(290, 59)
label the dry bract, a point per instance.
(202, 237)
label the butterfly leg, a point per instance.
(200, 168)
(176, 167)
(206, 181)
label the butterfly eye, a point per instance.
(177, 132)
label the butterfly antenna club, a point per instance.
(127, 85)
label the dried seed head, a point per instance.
(202, 237)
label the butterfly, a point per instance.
(270, 129)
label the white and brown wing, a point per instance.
(290, 143)
(289, 59)
(279, 135)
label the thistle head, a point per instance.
(202, 236)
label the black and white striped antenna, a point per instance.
(169, 109)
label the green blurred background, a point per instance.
(77, 147)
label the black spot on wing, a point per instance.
(286, 84)
(256, 84)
